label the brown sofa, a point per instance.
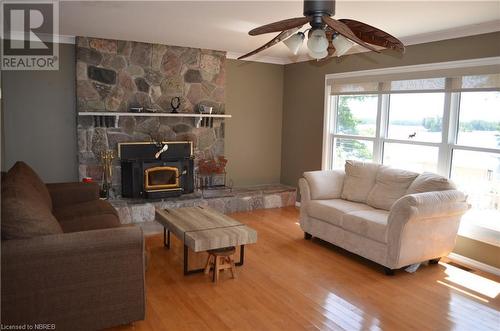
(66, 260)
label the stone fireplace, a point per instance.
(115, 78)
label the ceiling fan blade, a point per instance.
(329, 35)
(280, 37)
(280, 25)
(345, 31)
(374, 36)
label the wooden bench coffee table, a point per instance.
(202, 229)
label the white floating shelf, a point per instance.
(110, 113)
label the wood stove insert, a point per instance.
(156, 170)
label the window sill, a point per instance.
(479, 232)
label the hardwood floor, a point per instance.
(288, 283)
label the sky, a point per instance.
(413, 106)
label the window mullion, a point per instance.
(452, 130)
(329, 119)
(380, 126)
(444, 156)
(332, 152)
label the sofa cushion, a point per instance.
(325, 184)
(390, 185)
(82, 209)
(22, 174)
(359, 180)
(90, 222)
(429, 182)
(24, 214)
(371, 224)
(331, 211)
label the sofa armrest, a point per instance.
(83, 280)
(305, 192)
(429, 205)
(63, 194)
(325, 184)
(422, 226)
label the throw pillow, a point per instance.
(24, 215)
(23, 174)
(390, 185)
(429, 182)
(359, 180)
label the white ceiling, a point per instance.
(223, 25)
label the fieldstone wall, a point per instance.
(114, 76)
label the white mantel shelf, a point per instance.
(109, 113)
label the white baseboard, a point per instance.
(297, 204)
(475, 264)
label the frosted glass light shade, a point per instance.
(317, 42)
(318, 55)
(341, 44)
(294, 42)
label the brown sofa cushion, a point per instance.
(89, 208)
(24, 214)
(64, 194)
(89, 222)
(22, 174)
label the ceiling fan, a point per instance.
(326, 36)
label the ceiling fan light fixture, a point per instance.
(341, 44)
(319, 15)
(294, 42)
(317, 42)
(318, 55)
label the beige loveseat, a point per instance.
(393, 217)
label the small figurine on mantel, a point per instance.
(175, 103)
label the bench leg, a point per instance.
(216, 269)
(186, 272)
(208, 266)
(242, 256)
(166, 238)
(233, 268)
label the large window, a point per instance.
(416, 116)
(449, 126)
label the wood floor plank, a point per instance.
(288, 283)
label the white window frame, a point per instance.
(449, 132)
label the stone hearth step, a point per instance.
(226, 201)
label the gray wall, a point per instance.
(39, 119)
(254, 96)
